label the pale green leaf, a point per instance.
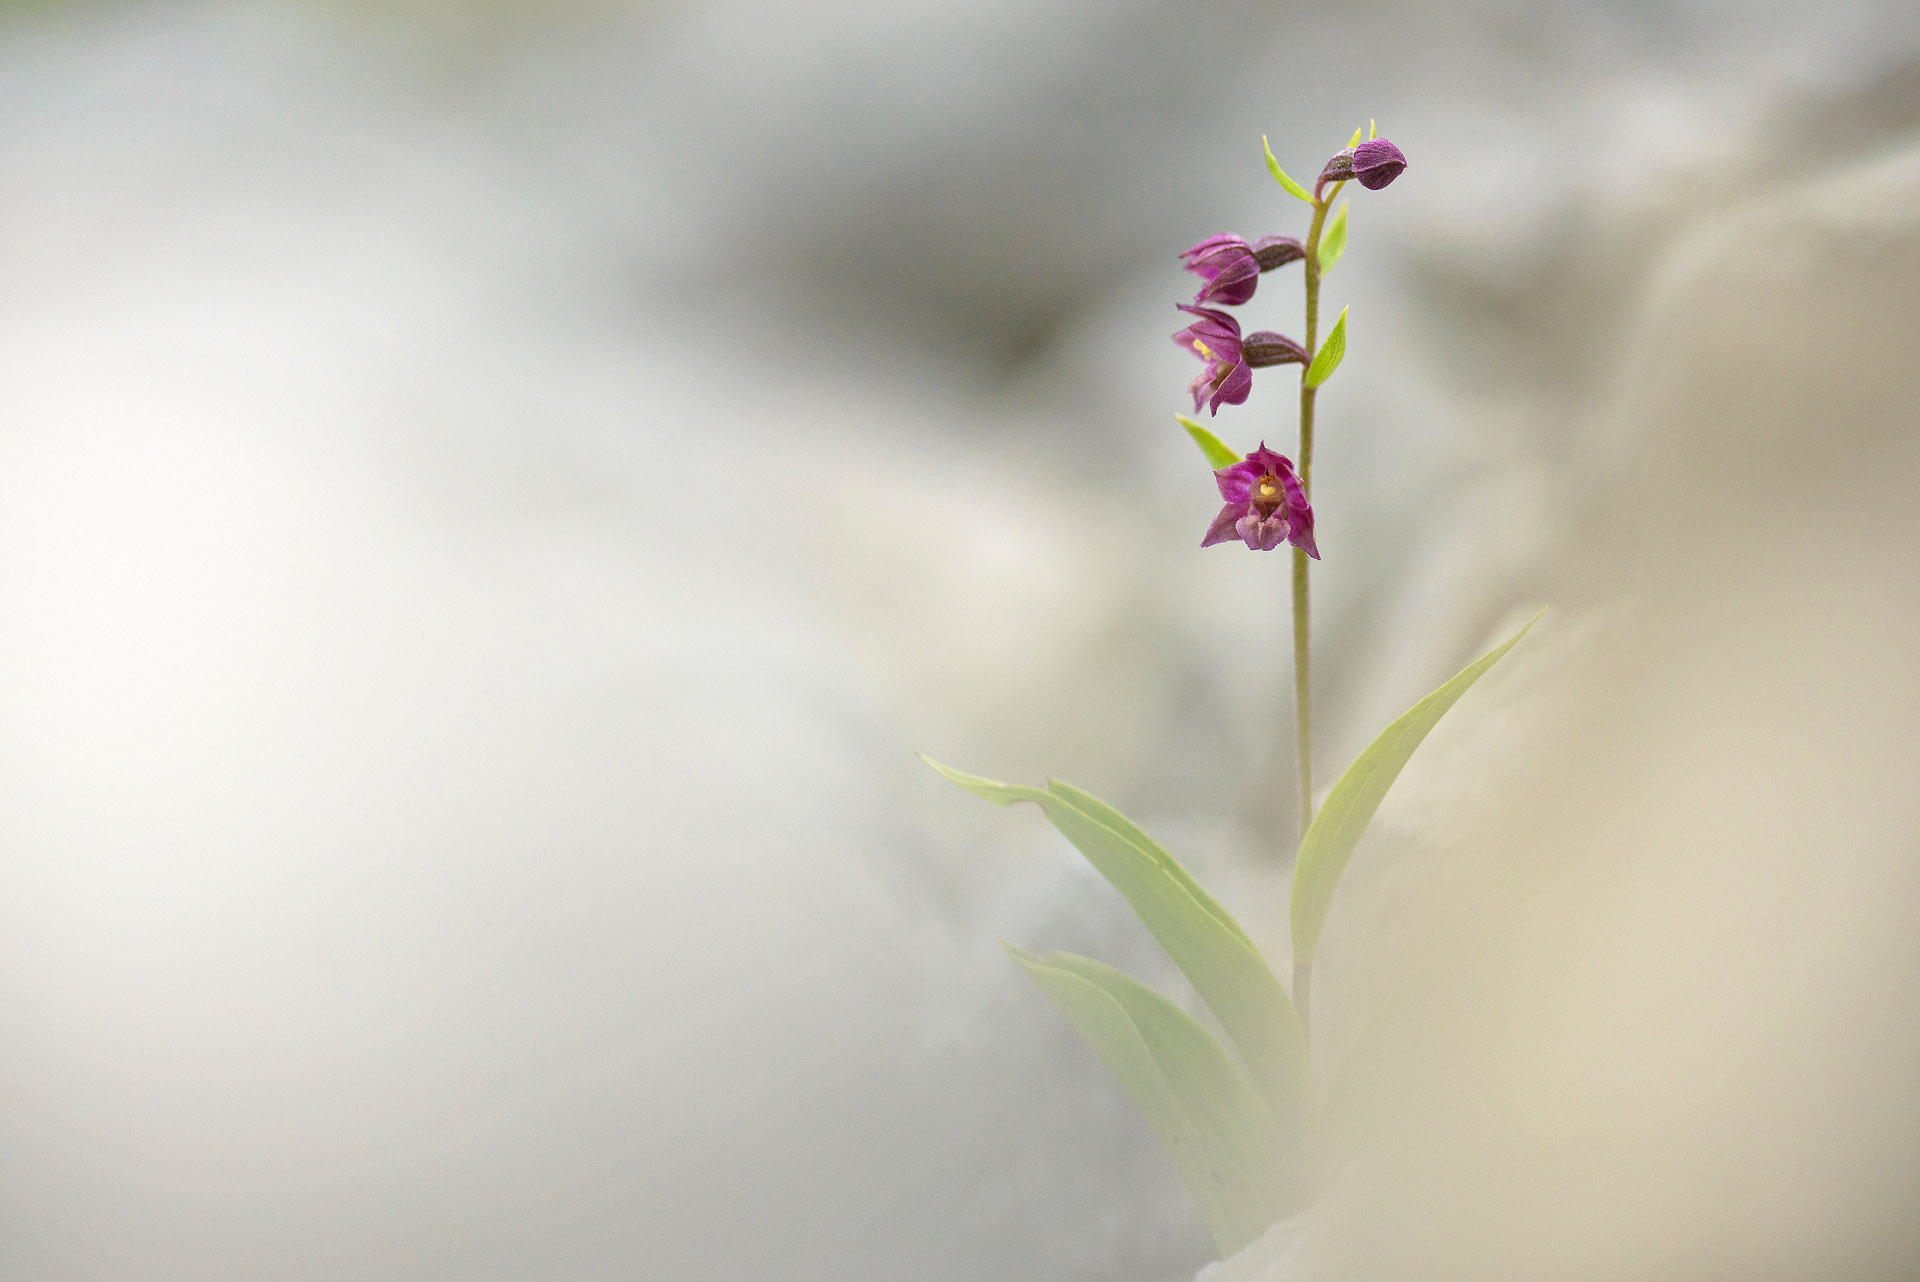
(1280, 175)
(1196, 1100)
(1333, 241)
(1001, 794)
(1355, 140)
(1218, 453)
(1204, 940)
(1328, 358)
(1330, 839)
(1373, 129)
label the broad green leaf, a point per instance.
(1333, 241)
(1203, 939)
(1280, 175)
(1208, 1119)
(1330, 839)
(1331, 352)
(1355, 140)
(1219, 453)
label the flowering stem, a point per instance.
(1302, 652)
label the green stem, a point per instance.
(1302, 650)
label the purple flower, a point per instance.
(1215, 339)
(1230, 359)
(1373, 164)
(1265, 505)
(1231, 267)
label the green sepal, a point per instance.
(1333, 241)
(1331, 353)
(1351, 804)
(1218, 453)
(1198, 1103)
(1280, 175)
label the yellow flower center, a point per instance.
(1267, 490)
(1201, 348)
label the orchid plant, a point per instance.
(1240, 1119)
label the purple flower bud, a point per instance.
(1263, 347)
(1231, 267)
(1373, 164)
(1265, 505)
(1215, 339)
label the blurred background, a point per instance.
(493, 497)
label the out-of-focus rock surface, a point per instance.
(491, 499)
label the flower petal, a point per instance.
(1233, 284)
(1216, 332)
(1264, 460)
(1199, 388)
(1213, 244)
(1233, 390)
(1222, 531)
(1236, 482)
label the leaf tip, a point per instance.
(1281, 176)
(1216, 451)
(993, 790)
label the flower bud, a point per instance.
(1373, 164)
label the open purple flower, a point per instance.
(1230, 359)
(1373, 164)
(1265, 505)
(1231, 267)
(1215, 339)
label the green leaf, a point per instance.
(1333, 241)
(1280, 175)
(1000, 794)
(1373, 129)
(1355, 140)
(1208, 1119)
(1349, 807)
(1204, 940)
(1218, 453)
(1328, 358)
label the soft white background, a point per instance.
(493, 497)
